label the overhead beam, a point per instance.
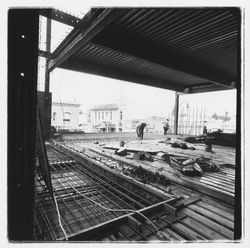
(60, 16)
(207, 87)
(165, 57)
(87, 33)
(101, 70)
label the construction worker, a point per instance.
(205, 128)
(165, 126)
(140, 129)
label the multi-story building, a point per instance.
(65, 115)
(106, 118)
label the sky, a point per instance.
(89, 90)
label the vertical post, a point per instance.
(240, 132)
(23, 26)
(47, 114)
(193, 131)
(176, 113)
(196, 122)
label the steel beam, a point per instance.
(47, 118)
(60, 16)
(86, 34)
(92, 68)
(23, 26)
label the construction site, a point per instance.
(117, 182)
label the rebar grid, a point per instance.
(77, 212)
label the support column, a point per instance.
(47, 102)
(176, 113)
(23, 26)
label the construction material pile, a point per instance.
(194, 166)
(144, 175)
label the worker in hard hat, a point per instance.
(140, 129)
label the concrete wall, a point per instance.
(65, 115)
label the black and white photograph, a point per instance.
(125, 124)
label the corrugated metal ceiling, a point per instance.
(206, 39)
(207, 35)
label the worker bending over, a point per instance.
(165, 126)
(140, 129)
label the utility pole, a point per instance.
(176, 113)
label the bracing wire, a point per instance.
(59, 218)
(117, 210)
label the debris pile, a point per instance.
(181, 144)
(143, 156)
(177, 143)
(195, 166)
(121, 151)
(145, 176)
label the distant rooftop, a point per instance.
(69, 104)
(105, 107)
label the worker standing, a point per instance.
(205, 128)
(165, 126)
(140, 129)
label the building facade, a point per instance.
(65, 115)
(106, 118)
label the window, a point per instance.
(67, 116)
(54, 116)
(110, 115)
(107, 114)
(99, 115)
(95, 115)
(103, 115)
(66, 119)
(121, 115)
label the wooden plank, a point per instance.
(127, 231)
(182, 191)
(213, 216)
(186, 232)
(133, 149)
(217, 182)
(199, 228)
(219, 178)
(218, 186)
(134, 222)
(174, 234)
(225, 182)
(217, 210)
(216, 227)
(176, 225)
(230, 186)
(230, 173)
